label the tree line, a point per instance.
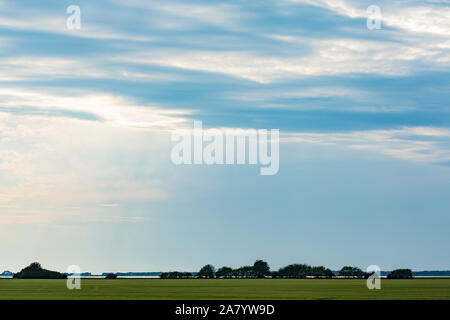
(261, 269)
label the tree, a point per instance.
(275, 274)
(175, 275)
(224, 272)
(353, 272)
(111, 276)
(261, 268)
(295, 271)
(400, 274)
(207, 271)
(321, 272)
(35, 266)
(328, 273)
(35, 271)
(244, 272)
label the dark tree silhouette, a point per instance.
(244, 272)
(35, 271)
(353, 272)
(295, 271)
(400, 274)
(207, 271)
(321, 272)
(224, 272)
(175, 275)
(261, 269)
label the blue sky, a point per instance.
(86, 117)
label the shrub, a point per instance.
(400, 274)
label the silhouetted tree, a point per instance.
(207, 271)
(261, 269)
(225, 272)
(295, 271)
(175, 275)
(400, 274)
(275, 274)
(353, 272)
(328, 273)
(111, 276)
(35, 271)
(244, 272)
(321, 272)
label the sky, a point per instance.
(86, 117)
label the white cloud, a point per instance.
(421, 19)
(54, 168)
(328, 57)
(34, 22)
(418, 144)
(179, 15)
(26, 68)
(325, 56)
(409, 16)
(304, 92)
(110, 109)
(55, 162)
(53, 159)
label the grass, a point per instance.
(272, 289)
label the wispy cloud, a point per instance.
(83, 123)
(180, 15)
(411, 16)
(52, 163)
(328, 57)
(32, 68)
(418, 144)
(111, 109)
(55, 22)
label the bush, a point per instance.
(111, 276)
(400, 274)
(35, 271)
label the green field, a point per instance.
(225, 289)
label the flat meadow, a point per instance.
(229, 289)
